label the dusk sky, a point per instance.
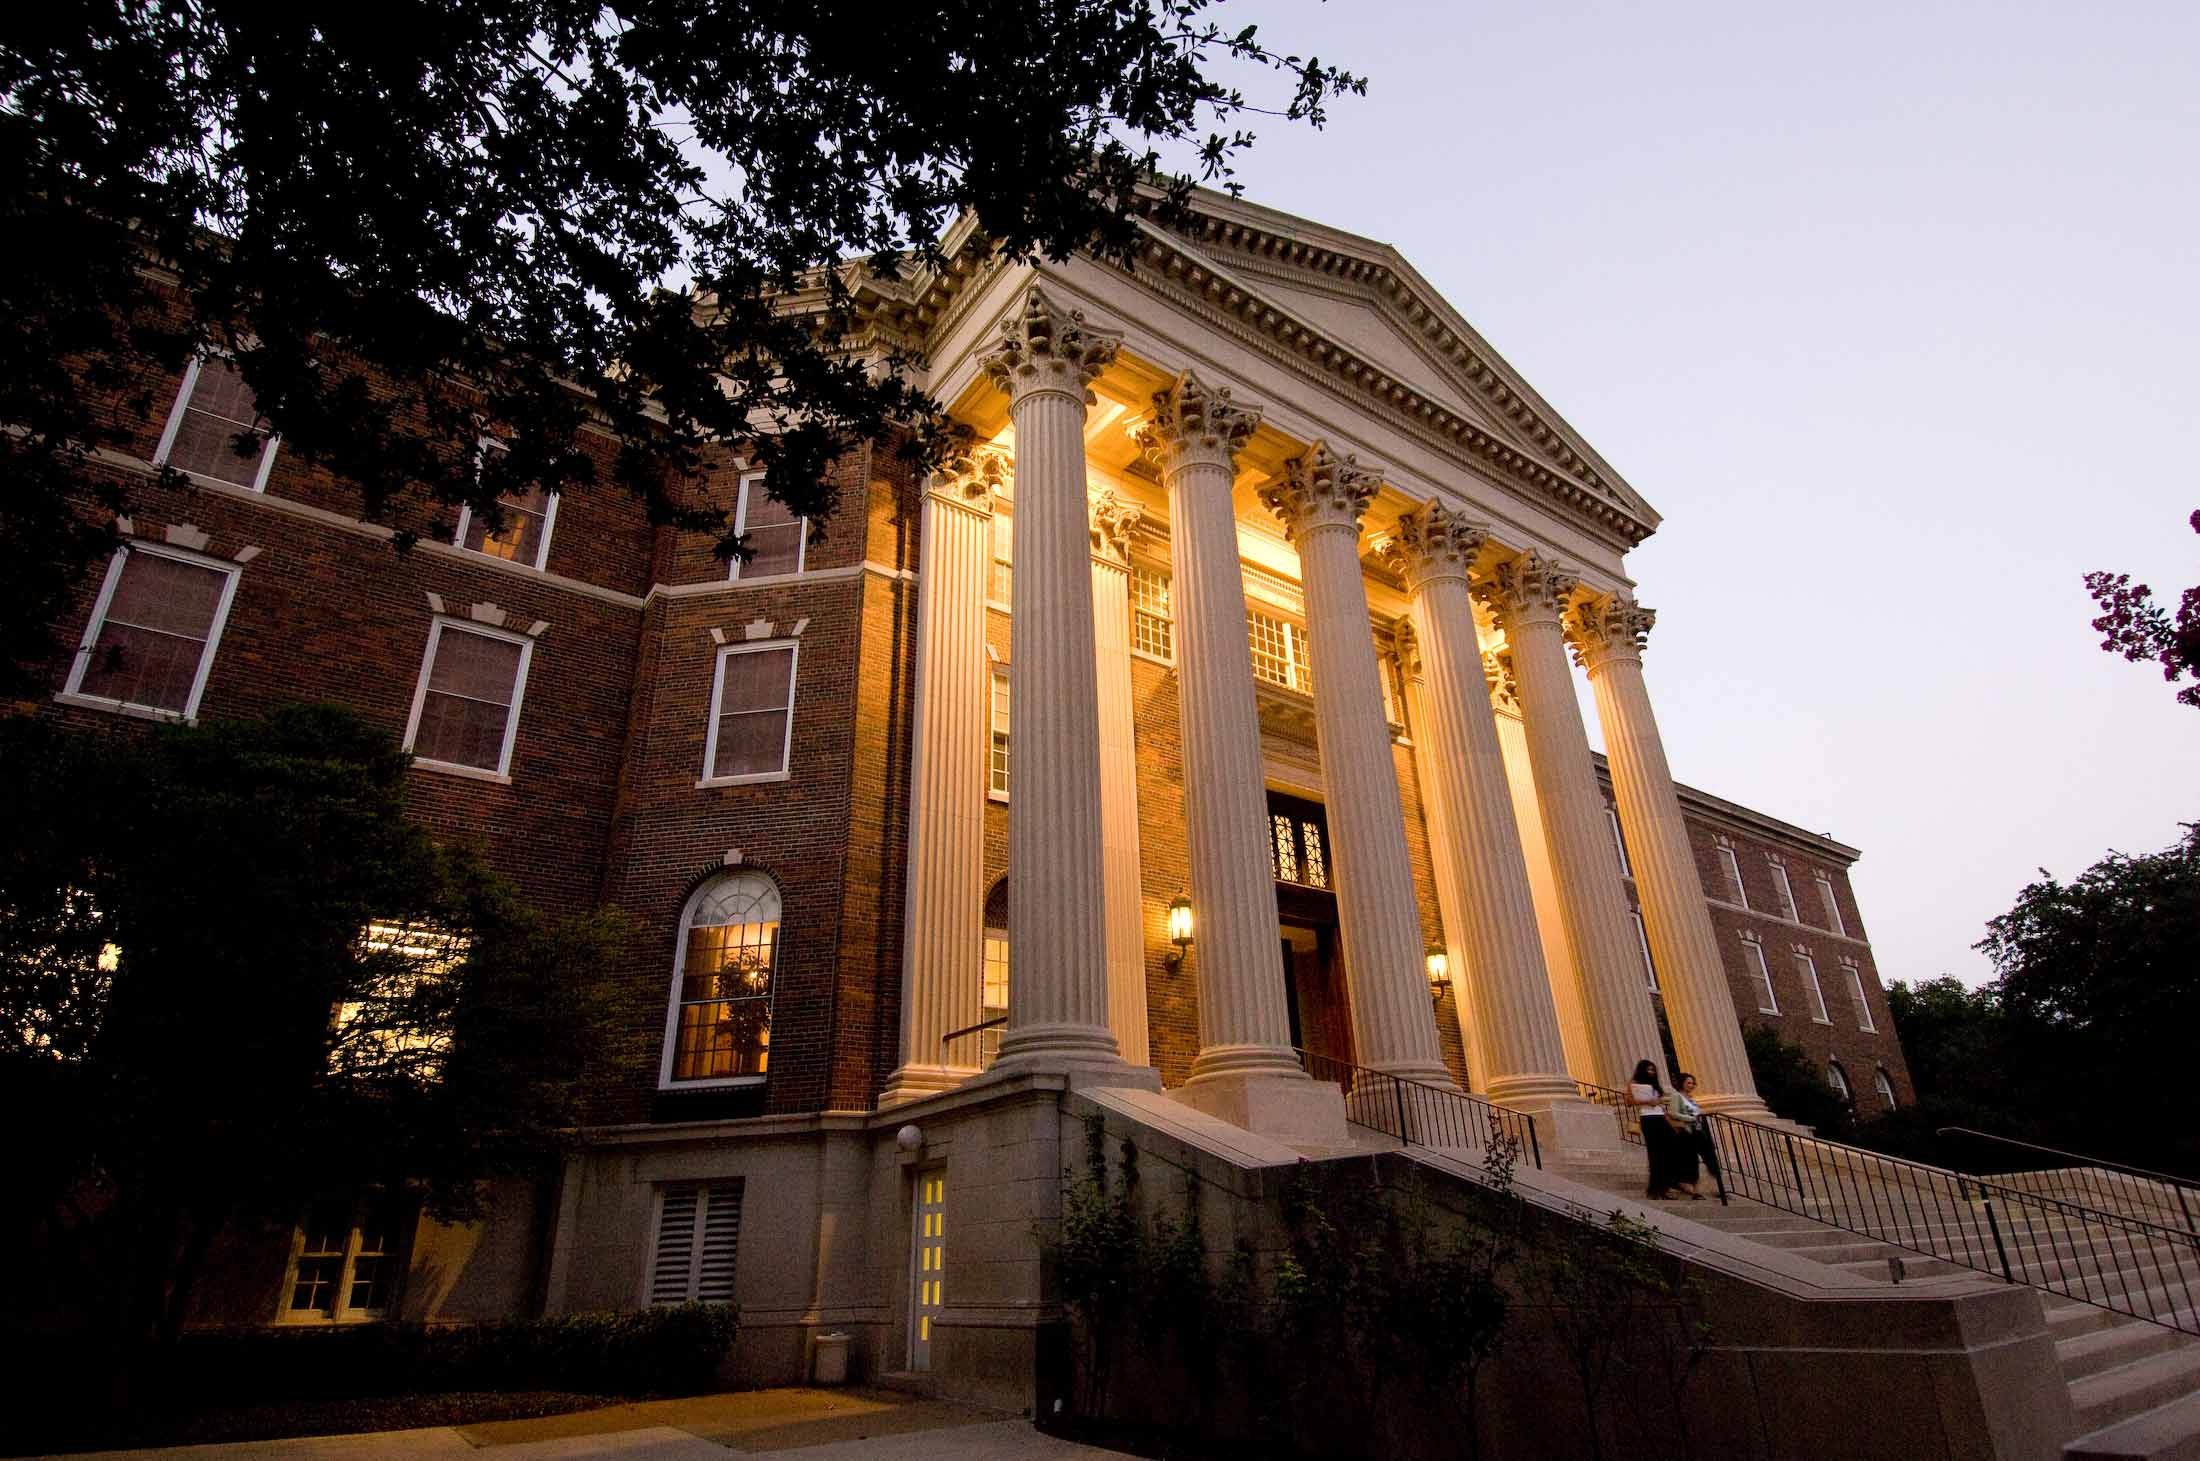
(1893, 312)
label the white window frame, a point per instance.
(1883, 1084)
(72, 692)
(436, 626)
(665, 1082)
(1733, 868)
(549, 521)
(175, 424)
(1167, 621)
(1768, 1001)
(1806, 966)
(1838, 1078)
(1834, 920)
(1000, 551)
(1864, 1020)
(341, 1312)
(998, 691)
(1619, 843)
(1296, 649)
(1785, 890)
(735, 566)
(717, 696)
(1642, 941)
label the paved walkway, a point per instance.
(814, 1425)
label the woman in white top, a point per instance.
(1685, 1118)
(1646, 1093)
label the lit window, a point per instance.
(1753, 956)
(1856, 996)
(528, 517)
(1153, 631)
(751, 713)
(381, 1034)
(343, 1263)
(213, 409)
(1642, 942)
(775, 537)
(1807, 967)
(466, 708)
(698, 1238)
(1619, 843)
(1279, 651)
(1733, 870)
(728, 955)
(1785, 894)
(1834, 920)
(1000, 578)
(1839, 1080)
(996, 766)
(1884, 1086)
(1287, 850)
(153, 631)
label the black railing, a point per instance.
(2101, 1257)
(1630, 1129)
(2156, 1197)
(974, 1046)
(1420, 1114)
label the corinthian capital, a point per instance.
(1047, 348)
(1432, 542)
(1321, 489)
(1409, 650)
(1195, 422)
(1529, 588)
(1613, 627)
(1497, 669)
(1113, 522)
(975, 477)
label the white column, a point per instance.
(943, 953)
(1707, 1035)
(1058, 1008)
(1246, 1071)
(1481, 877)
(1528, 596)
(1320, 500)
(1113, 523)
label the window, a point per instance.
(1884, 1086)
(153, 631)
(1753, 957)
(698, 1236)
(1153, 630)
(996, 765)
(1807, 967)
(1279, 651)
(1298, 841)
(1839, 1080)
(1733, 870)
(525, 537)
(1642, 942)
(1856, 996)
(1833, 906)
(777, 539)
(1785, 906)
(751, 714)
(719, 1032)
(465, 712)
(1619, 843)
(1000, 573)
(993, 997)
(381, 1034)
(343, 1262)
(213, 408)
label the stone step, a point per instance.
(2105, 1349)
(2118, 1394)
(2166, 1433)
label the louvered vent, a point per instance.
(721, 1236)
(698, 1235)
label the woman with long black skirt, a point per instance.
(1646, 1093)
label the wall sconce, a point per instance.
(1180, 930)
(1439, 975)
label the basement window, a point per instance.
(343, 1263)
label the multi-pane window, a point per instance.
(213, 410)
(1839, 1080)
(1000, 576)
(1298, 842)
(1783, 895)
(776, 539)
(698, 1238)
(722, 988)
(996, 756)
(1807, 968)
(1760, 974)
(1619, 843)
(344, 1262)
(1884, 1086)
(1642, 942)
(525, 537)
(1279, 651)
(751, 713)
(153, 631)
(1733, 871)
(1834, 920)
(466, 709)
(1153, 630)
(1855, 978)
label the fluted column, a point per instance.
(1113, 522)
(1528, 595)
(1058, 1015)
(1608, 634)
(943, 943)
(1320, 499)
(1481, 877)
(1420, 711)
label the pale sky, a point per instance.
(1893, 312)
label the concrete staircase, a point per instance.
(2134, 1385)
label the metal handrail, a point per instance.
(1420, 1114)
(1630, 1128)
(2110, 1260)
(2184, 1189)
(973, 1029)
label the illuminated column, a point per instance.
(1608, 636)
(942, 963)
(1246, 1071)
(1058, 1012)
(1320, 500)
(1481, 878)
(1441, 853)
(1528, 595)
(1113, 522)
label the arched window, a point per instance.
(720, 1026)
(993, 1001)
(1884, 1086)
(1839, 1080)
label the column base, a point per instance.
(915, 1082)
(1087, 1054)
(1288, 1108)
(1431, 1073)
(1743, 1105)
(1565, 1122)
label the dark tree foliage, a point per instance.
(191, 1005)
(652, 216)
(2133, 625)
(1794, 1084)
